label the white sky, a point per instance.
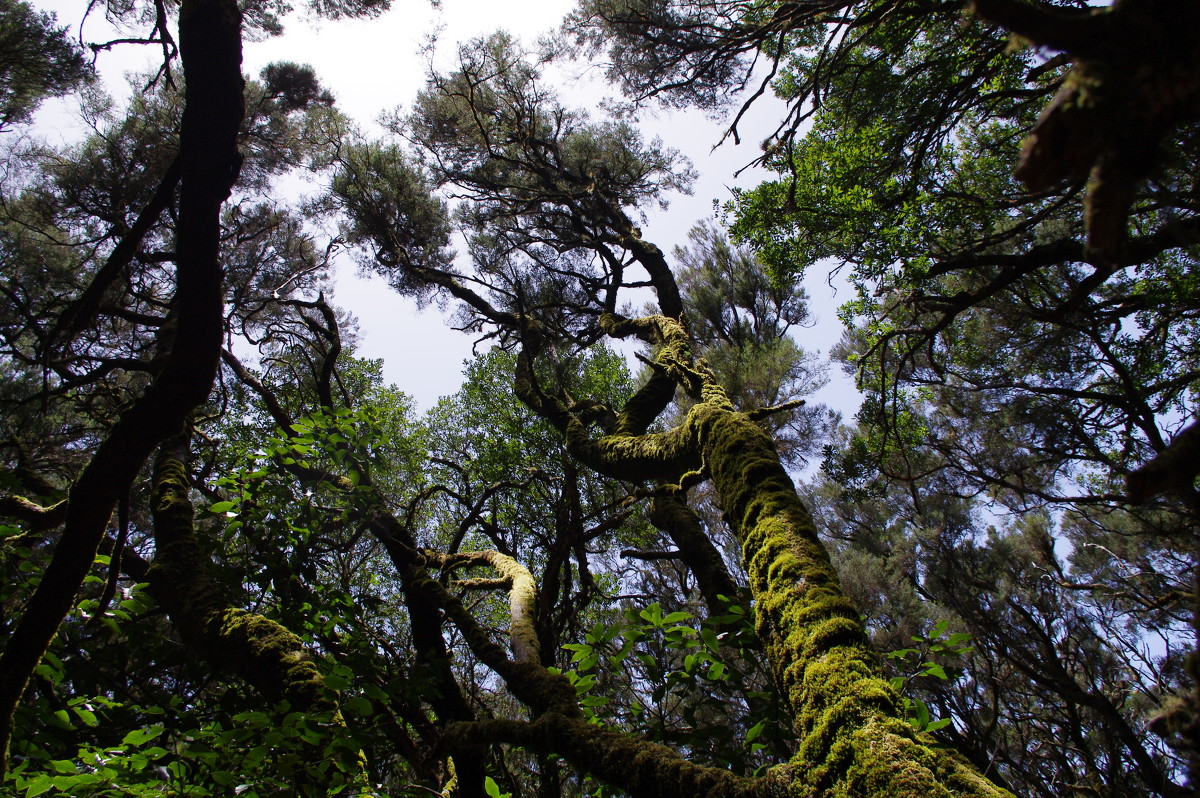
(373, 66)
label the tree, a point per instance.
(1021, 325)
(338, 598)
(37, 62)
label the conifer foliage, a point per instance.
(236, 561)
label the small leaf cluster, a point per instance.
(919, 662)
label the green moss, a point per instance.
(660, 456)
(853, 738)
(536, 687)
(259, 650)
(638, 767)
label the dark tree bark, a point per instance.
(210, 46)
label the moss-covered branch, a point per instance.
(854, 739)
(646, 405)
(39, 518)
(639, 767)
(525, 677)
(257, 649)
(522, 601)
(654, 456)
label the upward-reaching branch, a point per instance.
(210, 45)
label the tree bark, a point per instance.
(210, 46)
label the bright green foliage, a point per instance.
(909, 152)
(915, 663)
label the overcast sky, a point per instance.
(373, 66)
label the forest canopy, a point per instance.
(237, 560)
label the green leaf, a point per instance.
(359, 705)
(141, 736)
(65, 783)
(901, 653)
(938, 724)
(754, 731)
(652, 614)
(86, 715)
(39, 785)
(922, 714)
(623, 653)
(935, 670)
(336, 682)
(490, 787)
(221, 507)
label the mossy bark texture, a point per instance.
(854, 740)
(641, 768)
(257, 649)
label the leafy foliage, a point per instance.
(563, 579)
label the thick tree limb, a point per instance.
(671, 513)
(259, 650)
(522, 597)
(1173, 469)
(639, 767)
(1134, 80)
(210, 43)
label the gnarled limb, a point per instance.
(1175, 468)
(1134, 79)
(210, 44)
(259, 650)
(639, 767)
(522, 597)
(669, 511)
(853, 735)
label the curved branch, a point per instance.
(210, 43)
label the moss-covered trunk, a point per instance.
(259, 650)
(853, 738)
